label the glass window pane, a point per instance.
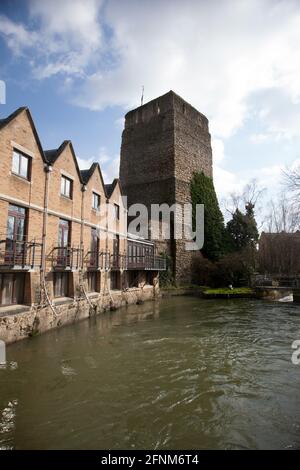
(7, 289)
(20, 229)
(67, 193)
(62, 185)
(10, 227)
(15, 162)
(24, 166)
(18, 292)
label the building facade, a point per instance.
(64, 248)
(164, 143)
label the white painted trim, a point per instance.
(21, 202)
(67, 175)
(20, 178)
(22, 149)
(97, 192)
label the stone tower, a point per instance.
(163, 143)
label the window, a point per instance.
(12, 288)
(21, 164)
(61, 284)
(66, 187)
(93, 281)
(115, 280)
(117, 211)
(96, 201)
(116, 244)
(15, 252)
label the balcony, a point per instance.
(68, 258)
(19, 254)
(146, 262)
(117, 261)
(97, 260)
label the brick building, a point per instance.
(64, 246)
(164, 143)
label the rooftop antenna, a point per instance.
(142, 97)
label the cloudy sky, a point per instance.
(80, 65)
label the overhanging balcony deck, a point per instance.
(20, 254)
(117, 261)
(97, 260)
(146, 262)
(68, 258)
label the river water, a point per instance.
(179, 373)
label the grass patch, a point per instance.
(226, 290)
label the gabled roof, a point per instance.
(109, 188)
(4, 122)
(87, 174)
(53, 154)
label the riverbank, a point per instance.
(208, 293)
(19, 321)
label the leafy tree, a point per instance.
(215, 236)
(242, 229)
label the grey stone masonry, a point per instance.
(164, 143)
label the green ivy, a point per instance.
(215, 236)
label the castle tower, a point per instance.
(163, 143)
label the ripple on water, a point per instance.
(196, 374)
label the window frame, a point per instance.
(63, 185)
(93, 282)
(117, 211)
(96, 196)
(61, 284)
(21, 157)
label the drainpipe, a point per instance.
(48, 170)
(81, 283)
(83, 190)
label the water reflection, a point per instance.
(175, 373)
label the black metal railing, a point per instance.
(67, 257)
(97, 260)
(21, 254)
(146, 262)
(117, 261)
(292, 281)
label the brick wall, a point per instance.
(19, 132)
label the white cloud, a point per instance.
(218, 150)
(109, 164)
(230, 59)
(16, 35)
(259, 138)
(66, 39)
(216, 54)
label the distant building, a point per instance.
(164, 143)
(279, 253)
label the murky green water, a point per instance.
(178, 373)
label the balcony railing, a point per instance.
(146, 262)
(95, 260)
(67, 258)
(19, 254)
(117, 261)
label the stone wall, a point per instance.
(163, 143)
(25, 323)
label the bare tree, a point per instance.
(291, 181)
(283, 215)
(251, 194)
